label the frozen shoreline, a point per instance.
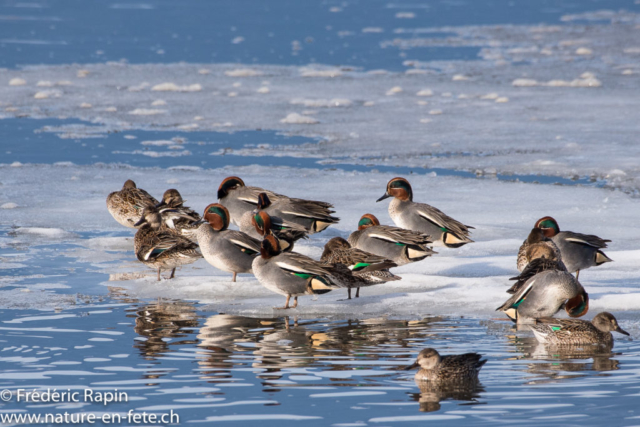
(57, 204)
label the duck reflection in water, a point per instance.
(274, 346)
(161, 320)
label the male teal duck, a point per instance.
(259, 224)
(544, 294)
(405, 213)
(315, 216)
(291, 274)
(160, 248)
(560, 332)
(177, 216)
(311, 215)
(446, 369)
(126, 205)
(399, 245)
(579, 251)
(365, 269)
(227, 250)
(538, 246)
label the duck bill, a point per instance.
(622, 331)
(385, 196)
(410, 367)
(578, 306)
(200, 221)
(140, 222)
(161, 204)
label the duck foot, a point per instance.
(158, 275)
(173, 274)
(234, 279)
(286, 304)
(358, 293)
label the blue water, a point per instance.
(76, 31)
(189, 358)
(39, 141)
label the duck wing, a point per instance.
(536, 266)
(398, 235)
(442, 220)
(585, 239)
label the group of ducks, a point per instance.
(170, 235)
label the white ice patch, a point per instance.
(46, 233)
(146, 112)
(295, 118)
(172, 87)
(243, 72)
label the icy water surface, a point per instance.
(209, 366)
(276, 32)
(51, 141)
(204, 365)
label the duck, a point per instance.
(228, 250)
(536, 246)
(258, 224)
(161, 248)
(291, 274)
(577, 332)
(579, 251)
(396, 244)
(177, 216)
(447, 369)
(536, 266)
(405, 213)
(126, 205)
(315, 216)
(544, 294)
(365, 269)
(308, 214)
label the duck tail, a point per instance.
(452, 240)
(319, 285)
(601, 258)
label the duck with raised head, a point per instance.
(227, 250)
(291, 274)
(579, 251)
(161, 248)
(126, 205)
(561, 332)
(538, 246)
(365, 269)
(405, 213)
(177, 216)
(445, 369)
(396, 244)
(315, 216)
(544, 294)
(259, 224)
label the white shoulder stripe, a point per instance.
(577, 240)
(242, 244)
(383, 237)
(430, 218)
(248, 200)
(298, 214)
(296, 268)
